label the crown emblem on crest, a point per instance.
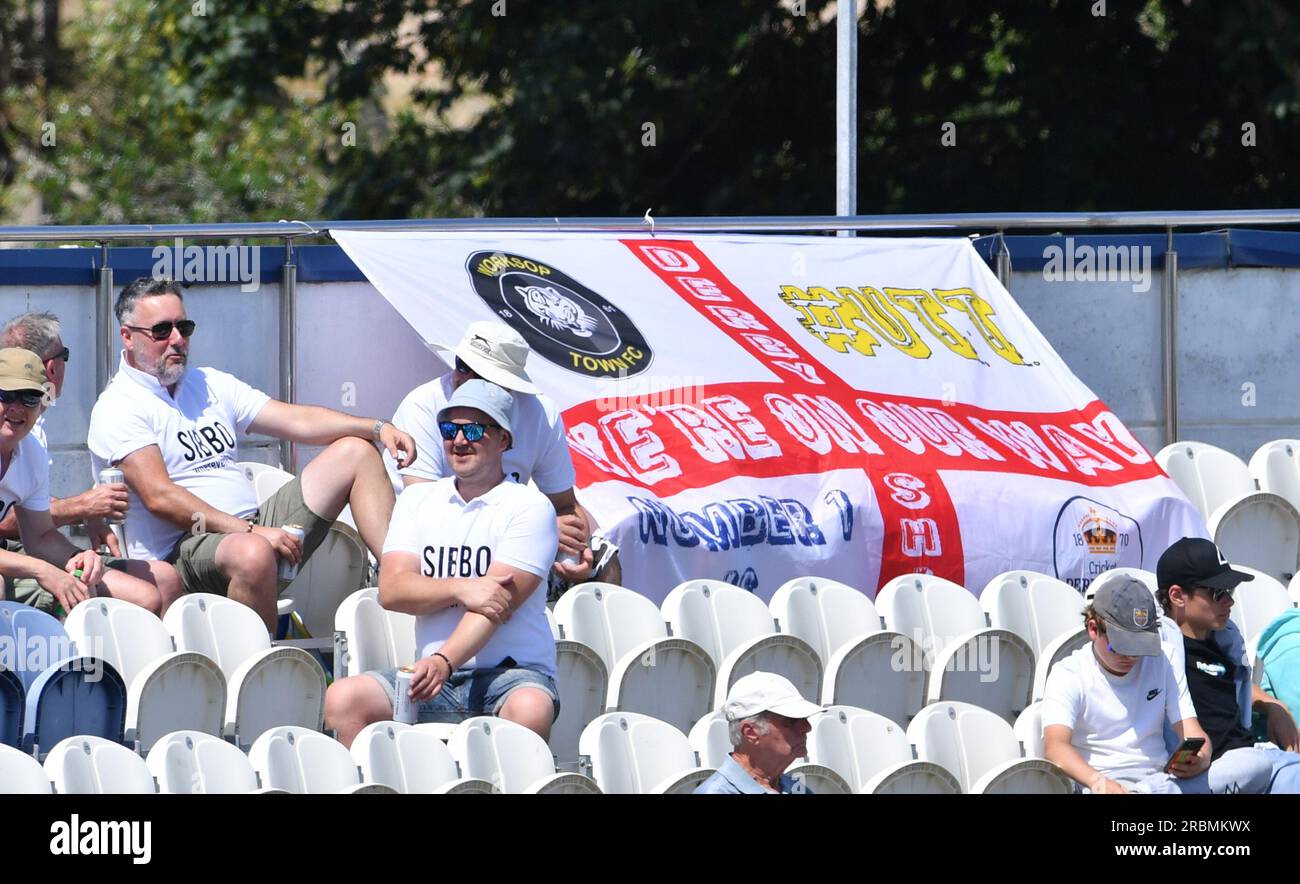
(1099, 533)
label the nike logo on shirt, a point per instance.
(1153, 693)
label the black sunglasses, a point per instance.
(63, 354)
(463, 368)
(473, 432)
(161, 331)
(1217, 594)
(30, 398)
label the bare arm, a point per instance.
(147, 474)
(313, 425)
(99, 502)
(51, 559)
(574, 525)
(1281, 726)
(1060, 751)
(404, 589)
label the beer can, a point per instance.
(112, 476)
(288, 570)
(405, 709)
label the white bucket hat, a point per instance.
(497, 353)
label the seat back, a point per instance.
(126, 635)
(220, 629)
(671, 679)
(1208, 475)
(37, 639)
(929, 610)
(1260, 530)
(13, 708)
(86, 765)
(375, 638)
(1056, 651)
(857, 744)
(824, 613)
(265, 479)
(81, 696)
(194, 763)
(1034, 606)
(583, 681)
(1275, 467)
(966, 740)
(717, 616)
(21, 774)
(611, 620)
(632, 754)
(410, 760)
(507, 755)
(335, 570)
(302, 762)
(1029, 729)
(883, 672)
(1147, 577)
(180, 692)
(710, 739)
(1258, 602)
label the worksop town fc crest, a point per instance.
(562, 320)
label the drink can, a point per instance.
(112, 476)
(404, 709)
(288, 570)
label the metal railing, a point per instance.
(994, 223)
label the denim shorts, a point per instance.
(470, 692)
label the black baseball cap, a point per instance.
(1195, 561)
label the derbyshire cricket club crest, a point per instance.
(1091, 539)
(562, 320)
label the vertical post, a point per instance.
(1002, 261)
(1169, 336)
(846, 111)
(104, 349)
(288, 346)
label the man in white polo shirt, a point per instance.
(498, 354)
(172, 431)
(466, 554)
(69, 574)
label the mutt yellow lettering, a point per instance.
(981, 314)
(891, 323)
(830, 319)
(929, 309)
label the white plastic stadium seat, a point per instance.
(367, 636)
(967, 660)
(1034, 606)
(817, 779)
(866, 666)
(1293, 589)
(872, 754)
(265, 479)
(738, 632)
(629, 753)
(583, 683)
(95, 766)
(194, 763)
(303, 762)
(1258, 602)
(554, 624)
(1208, 475)
(671, 679)
(266, 687)
(1147, 577)
(1029, 730)
(513, 758)
(1260, 530)
(37, 641)
(982, 751)
(411, 761)
(21, 774)
(710, 739)
(1056, 651)
(1275, 467)
(167, 690)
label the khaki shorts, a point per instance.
(195, 557)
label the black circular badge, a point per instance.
(562, 320)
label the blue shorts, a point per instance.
(470, 692)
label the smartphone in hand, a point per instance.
(1184, 753)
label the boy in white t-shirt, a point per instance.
(1106, 705)
(465, 555)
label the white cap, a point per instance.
(766, 692)
(494, 401)
(497, 353)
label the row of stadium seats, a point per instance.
(948, 748)
(1252, 510)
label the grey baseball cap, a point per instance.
(496, 402)
(1128, 610)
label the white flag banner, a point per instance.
(755, 409)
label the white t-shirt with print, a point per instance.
(1118, 721)
(512, 524)
(540, 449)
(26, 481)
(196, 432)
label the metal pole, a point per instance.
(288, 346)
(1169, 326)
(104, 349)
(846, 110)
(1002, 261)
